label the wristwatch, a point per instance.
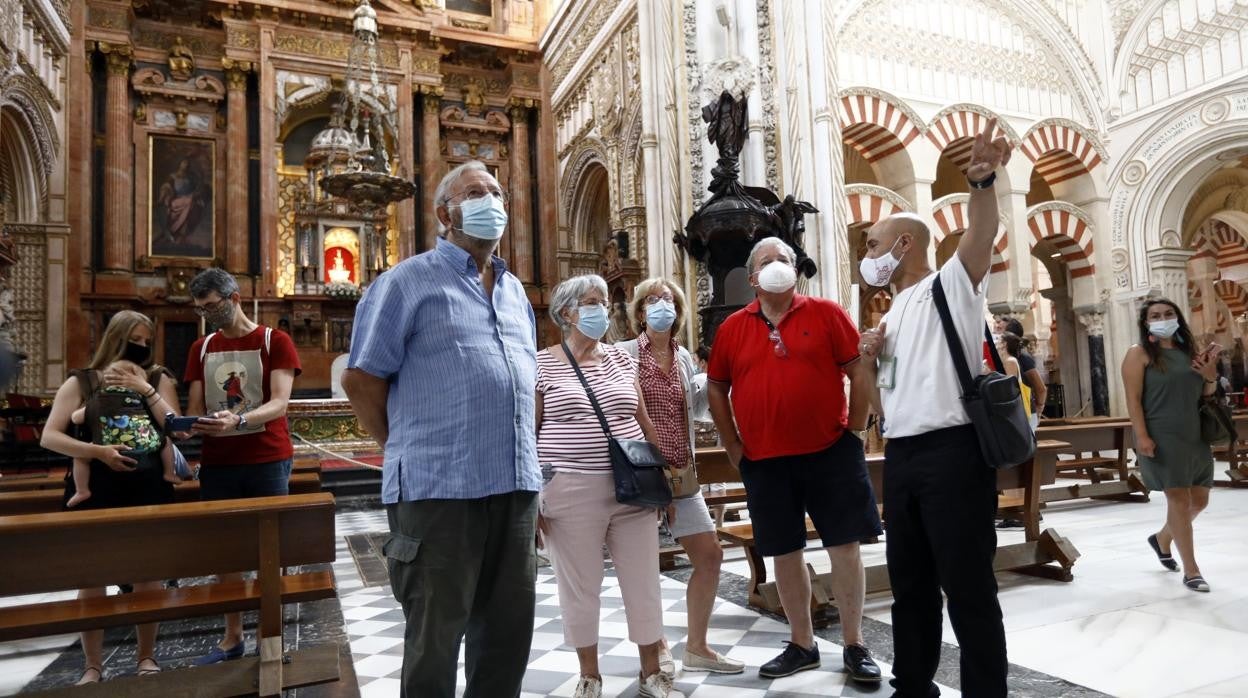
(242, 423)
(983, 183)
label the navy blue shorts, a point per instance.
(243, 481)
(831, 485)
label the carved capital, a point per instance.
(236, 79)
(120, 58)
(432, 104)
(519, 115)
(1094, 322)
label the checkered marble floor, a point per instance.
(375, 628)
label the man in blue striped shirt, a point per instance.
(442, 373)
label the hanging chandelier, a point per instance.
(360, 169)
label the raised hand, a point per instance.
(872, 343)
(988, 153)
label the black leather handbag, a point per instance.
(993, 401)
(1216, 424)
(639, 469)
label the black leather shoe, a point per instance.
(859, 664)
(793, 659)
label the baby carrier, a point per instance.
(120, 416)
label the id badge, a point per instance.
(886, 374)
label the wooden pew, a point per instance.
(56, 481)
(713, 467)
(1236, 457)
(1095, 437)
(49, 501)
(42, 553)
(1043, 554)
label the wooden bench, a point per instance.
(43, 553)
(713, 467)
(1095, 437)
(47, 501)
(56, 480)
(1235, 455)
(1043, 554)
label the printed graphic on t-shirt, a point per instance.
(233, 381)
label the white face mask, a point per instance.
(1164, 329)
(878, 272)
(777, 277)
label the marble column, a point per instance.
(1204, 271)
(1093, 322)
(236, 228)
(1067, 349)
(118, 164)
(520, 209)
(431, 165)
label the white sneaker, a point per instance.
(588, 687)
(716, 664)
(667, 663)
(658, 686)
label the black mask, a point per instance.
(136, 353)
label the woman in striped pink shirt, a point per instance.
(579, 513)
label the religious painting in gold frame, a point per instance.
(182, 200)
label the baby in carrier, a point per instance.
(118, 416)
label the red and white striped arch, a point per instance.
(952, 213)
(1219, 240)
(875, 125)
(1233, 294)
(1060, 150)
(1068, 229)
(953, 132)
(867, 205)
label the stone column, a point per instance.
(1204, 271)
(1067, 348)
(520, 210)
(118, 164)
(1093, 321)
(236, 228)
(431, 164)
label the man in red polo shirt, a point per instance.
(786, 426)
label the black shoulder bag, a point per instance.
(639, 468)
(993, 401)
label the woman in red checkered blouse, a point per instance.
(666, 371)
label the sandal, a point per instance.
(1166, 560)
(99, 676)
(1196, 583)
(147, 672)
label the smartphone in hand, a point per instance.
(181, 423)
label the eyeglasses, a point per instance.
(477, 193)
(211, 308)
(781, 350)
(584, 304)
(651, 300)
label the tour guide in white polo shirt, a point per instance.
(939, 495)
(442, 372)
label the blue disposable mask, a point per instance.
(660, 315)
(591, 320)
(484, 217)
(1164, 329)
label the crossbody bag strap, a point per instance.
(602, 418)
(951, 337)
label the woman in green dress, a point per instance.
(1166, 377)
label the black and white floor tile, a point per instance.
(375, 629)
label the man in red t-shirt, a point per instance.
(787, 426)
(241, 377)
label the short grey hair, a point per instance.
(443, 193)
(764, 244)
(214, 279)
(568, 294)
